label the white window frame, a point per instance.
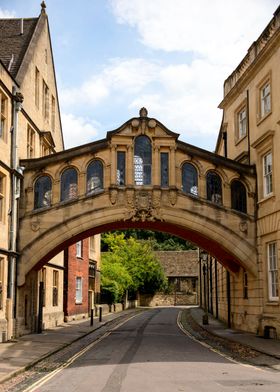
(265, 97)
(272, 265)
(267, 174)
(3, 115)
(79, 249)
(242, 122)
(2, 196)
(79, 290)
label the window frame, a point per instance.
(79, 249)
(63, 193)
(242, 123)
(3, 115)
(100, 188)
(142, 177)
(194, 176)
(121, 175)
(267, 176)
(38, 205)
(30, 142)
(55, 284)
(272, 274)
(79, 290)
(214, 198)
(261, 114)
(2, 196)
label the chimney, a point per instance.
(21, 26)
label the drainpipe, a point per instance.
(216, 290)
(248, 127)
(15, 190)
(225, 143)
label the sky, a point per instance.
(113, 57)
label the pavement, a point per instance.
(26, 351)
(269, 347)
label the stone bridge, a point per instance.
(139, 176)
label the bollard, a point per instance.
(100, 314)
(91, 317)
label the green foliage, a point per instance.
(158, 240)
(130, 265)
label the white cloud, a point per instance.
(7, 14)
(203, 27)
(122, 76)
(78, 130)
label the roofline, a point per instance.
(9, 73)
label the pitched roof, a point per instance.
(13, 44)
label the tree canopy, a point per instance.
(129, 264)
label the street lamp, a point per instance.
(203, 260)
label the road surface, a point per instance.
(150, 353)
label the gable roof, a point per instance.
(13, 44)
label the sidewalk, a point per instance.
(27, 350)
(269, 347)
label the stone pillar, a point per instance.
(172, 169)
(113, 165)
(129, 166)
(156, 166)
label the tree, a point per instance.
(130, 265)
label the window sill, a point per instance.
(238, 141)
(271, 196)
(273, 302)
(263, 117)
(78, 303)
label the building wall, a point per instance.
(76, 267)
(244, 88)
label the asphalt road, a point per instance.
(149, 353)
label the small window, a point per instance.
(265, 99)
(53, 114)
(214, 188)
(95, 176)
(267, 173)
(142, 160)
(3, 115)
(120, 168)
(164, 169)
(79, 249)
(242, 123)
(30, 142)
(189, 179)
(69, 185)
(79, 290)
(91, 244)
(55, 288)
(273, 286)
(37, 87)
(2, 197)
(238, 196)
(45, 101)
(42, 192)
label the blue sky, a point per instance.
(114, 56)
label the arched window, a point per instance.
(214, 187)
(142, 161)
(238, 196)
(94, 176)
(42, 192)
(189, 179)
(69, 184)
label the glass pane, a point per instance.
(142, 161)
(189, 179)
(121, 168)
(164, 169)
(214, 188)
(238, 196)
(42, 192)
(69, 187)
(95, 176)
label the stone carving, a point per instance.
(143, 206)
(243, 227)
(35, 225)
(113, 196)
(172, 196)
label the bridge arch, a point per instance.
(225, 233)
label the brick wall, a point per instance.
(76, 267)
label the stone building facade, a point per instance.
(181, 270)
(250, 133)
